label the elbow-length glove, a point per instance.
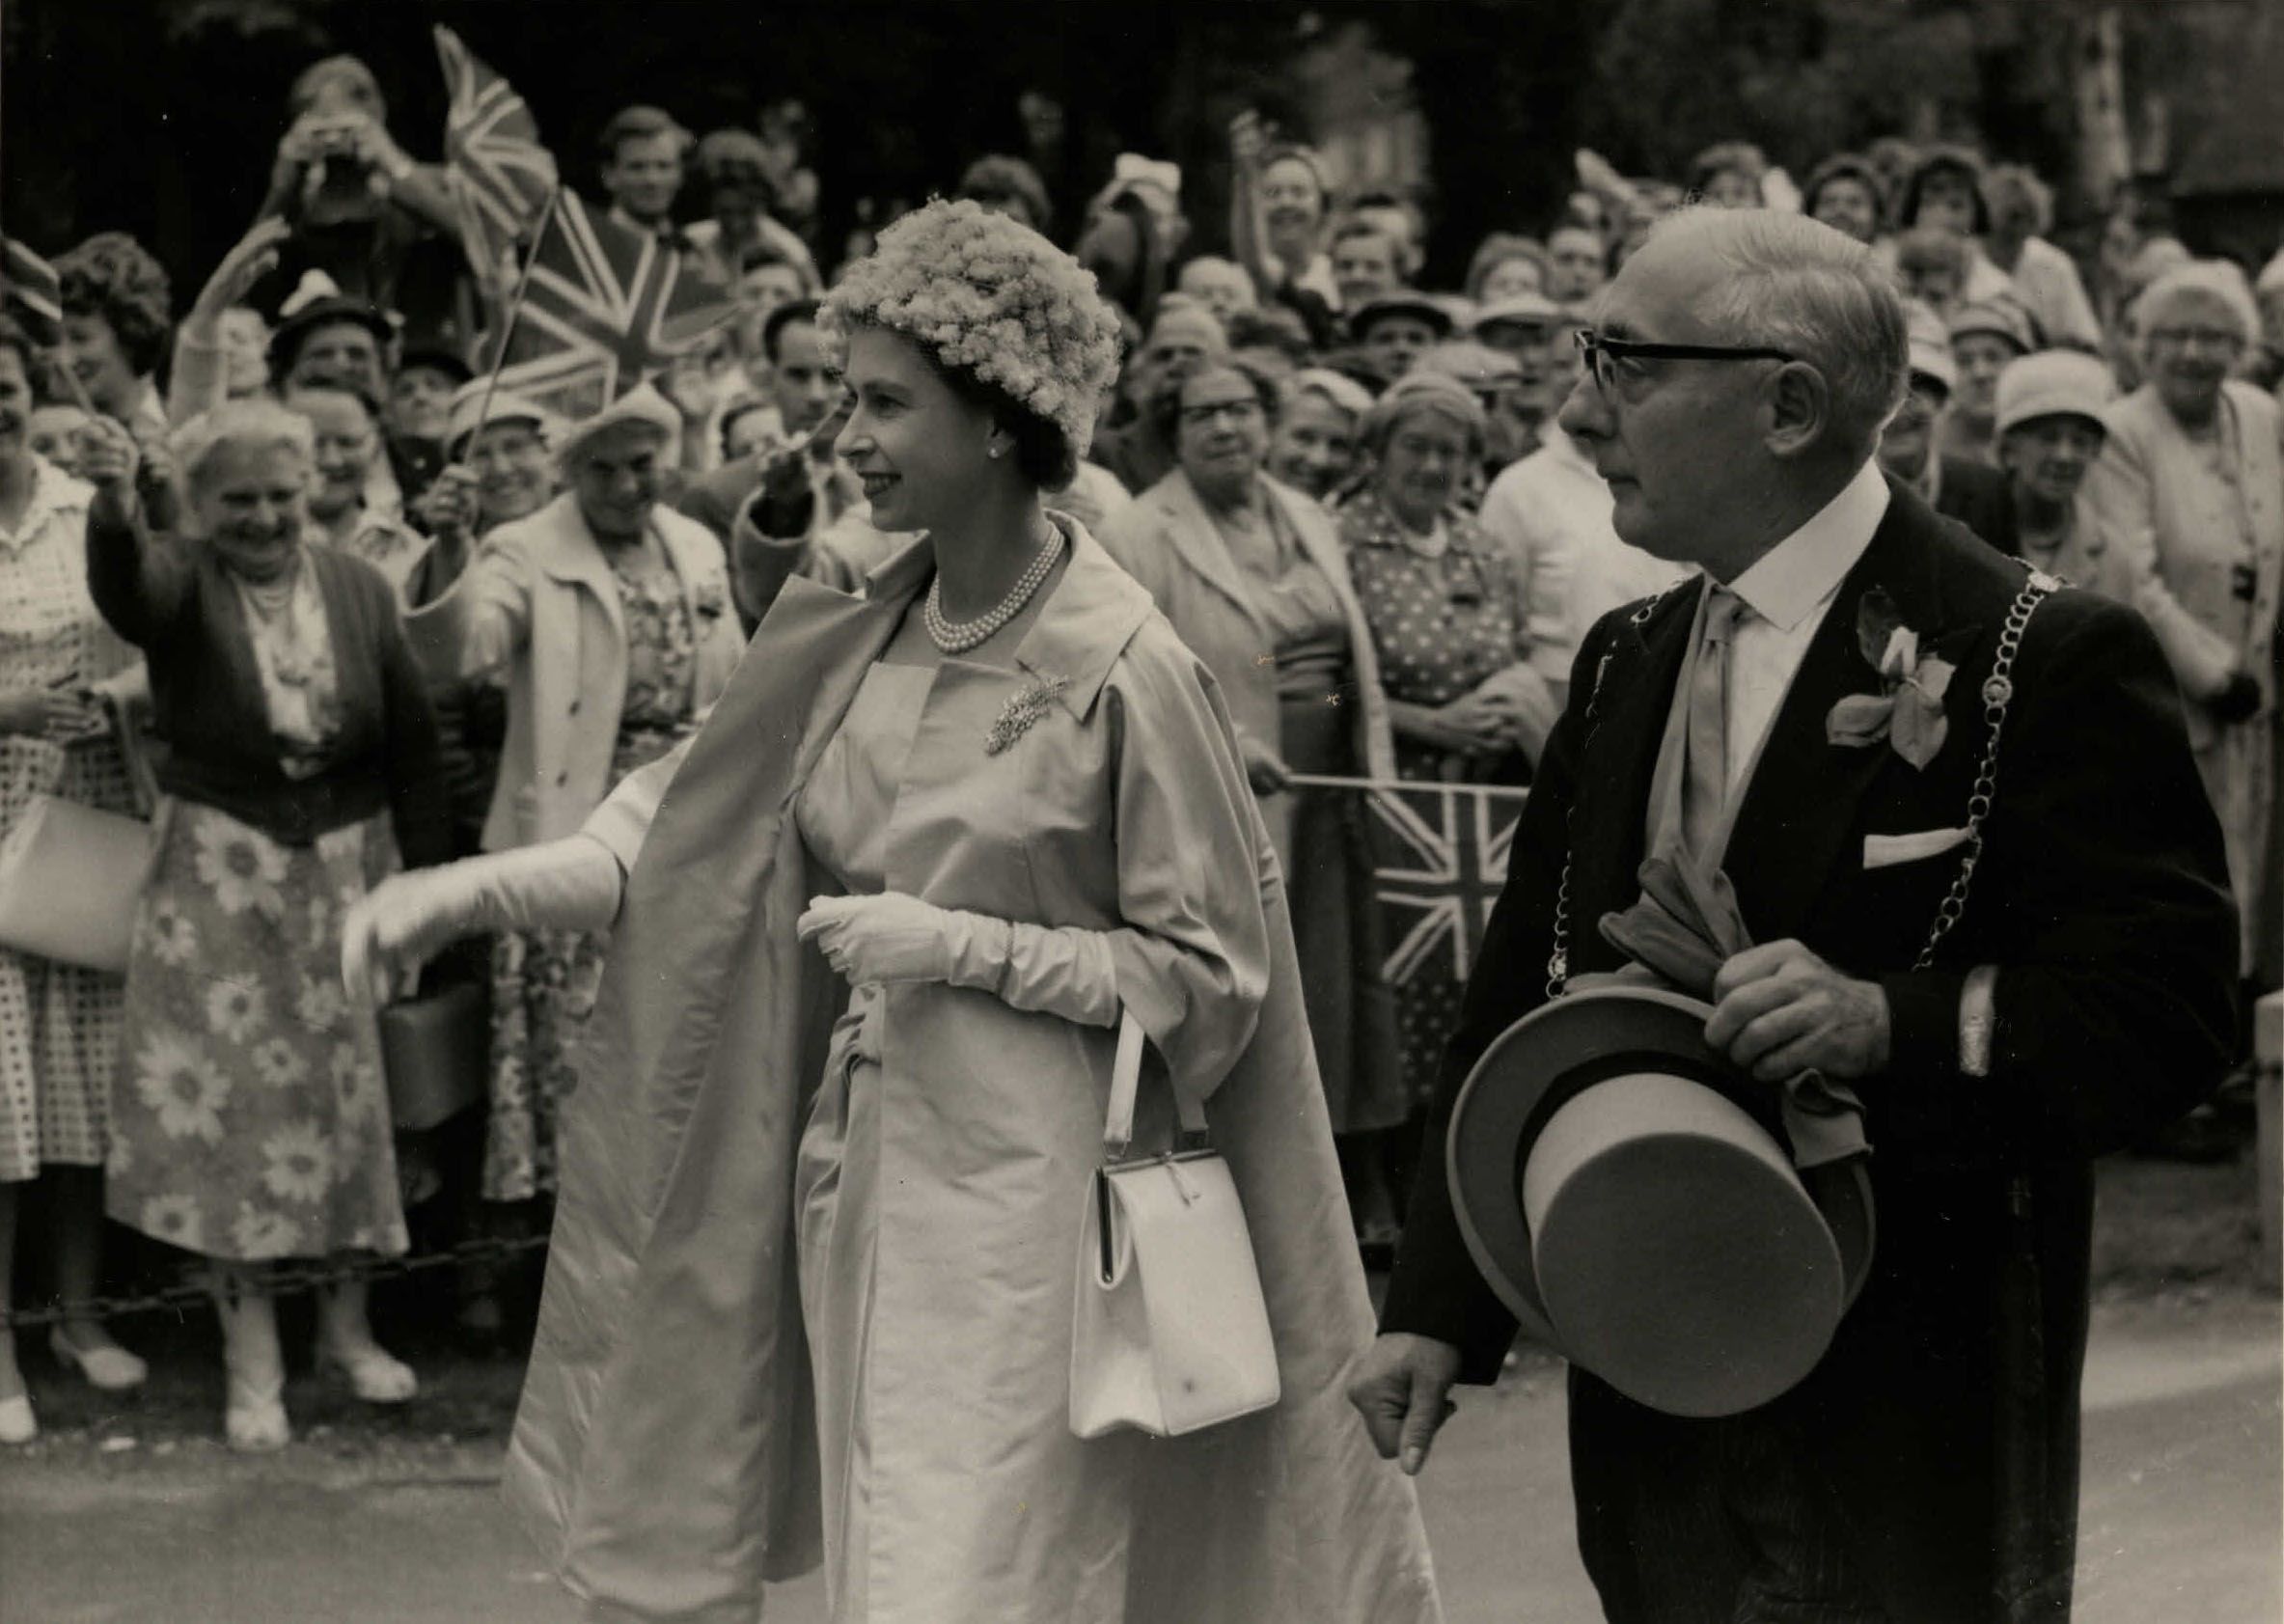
(570, 884)
(895, 937)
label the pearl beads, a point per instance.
(950, 639)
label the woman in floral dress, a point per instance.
(250, 1118)
(59, 1023)
(1447, 621)
(610, 614)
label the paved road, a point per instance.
(2181, 1515)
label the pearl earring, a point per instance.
(993, 453)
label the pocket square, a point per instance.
(1885, 851)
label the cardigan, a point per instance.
(174, 599)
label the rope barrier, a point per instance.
(280, 1279)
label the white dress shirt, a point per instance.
(1787, 592)
(1550, 514)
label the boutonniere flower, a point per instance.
(1909, 710)
(1026, 705)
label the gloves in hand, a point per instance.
(1063, 971)
(894, 937)
(571, 884)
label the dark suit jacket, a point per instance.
(1981, 498)
(2101, 895)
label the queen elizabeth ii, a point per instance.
(812, 1288)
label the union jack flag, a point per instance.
(30, 284)
(604, 307)
(1440, 859)
(499, 174)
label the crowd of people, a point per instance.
(365, 610)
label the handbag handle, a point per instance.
(1117, 1128)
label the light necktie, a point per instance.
(1705, 781)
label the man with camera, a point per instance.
(379, 225)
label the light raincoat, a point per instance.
(666, 1451)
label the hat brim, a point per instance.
(1550, 1058)
(1420, 310)
(287, 338)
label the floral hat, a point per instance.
(990, 297)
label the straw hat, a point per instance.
(1628, 1196)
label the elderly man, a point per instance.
(1999, 1035)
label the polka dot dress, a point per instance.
(58, 1025)
(1440, 627)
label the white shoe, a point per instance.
(254, 1422)
(375, 1374)
(109, 1368)
(18, 1424)
(254, 1414)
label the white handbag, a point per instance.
(70, 878)
(1169, 1331)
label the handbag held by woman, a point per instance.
(70, 876)
(1169, 1331)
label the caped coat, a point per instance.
(665, 1453)
(538, 600)
(1943, 1422)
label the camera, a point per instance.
(338, 179)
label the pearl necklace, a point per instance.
(959, 638)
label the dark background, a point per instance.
(159, 116)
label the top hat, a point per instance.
(1629, 1197)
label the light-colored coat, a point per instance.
(2180, 530)
(538, 598)
(665, 1453)
(1168, 543)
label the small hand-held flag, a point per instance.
(604, 306)
(597, 305)
(30, 287)
(31, 290)
(500, 176)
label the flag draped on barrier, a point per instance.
(1439, 862)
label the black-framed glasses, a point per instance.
(1603, 354)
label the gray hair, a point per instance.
(2008, 181)
(257, 421)
(2218, 282)
(1800, 287)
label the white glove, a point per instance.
(895, 937)
(570, 884)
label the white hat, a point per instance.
(470, 411)
(2053, 383)
(642, 403)
(1531, 310)
(1931, 358)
